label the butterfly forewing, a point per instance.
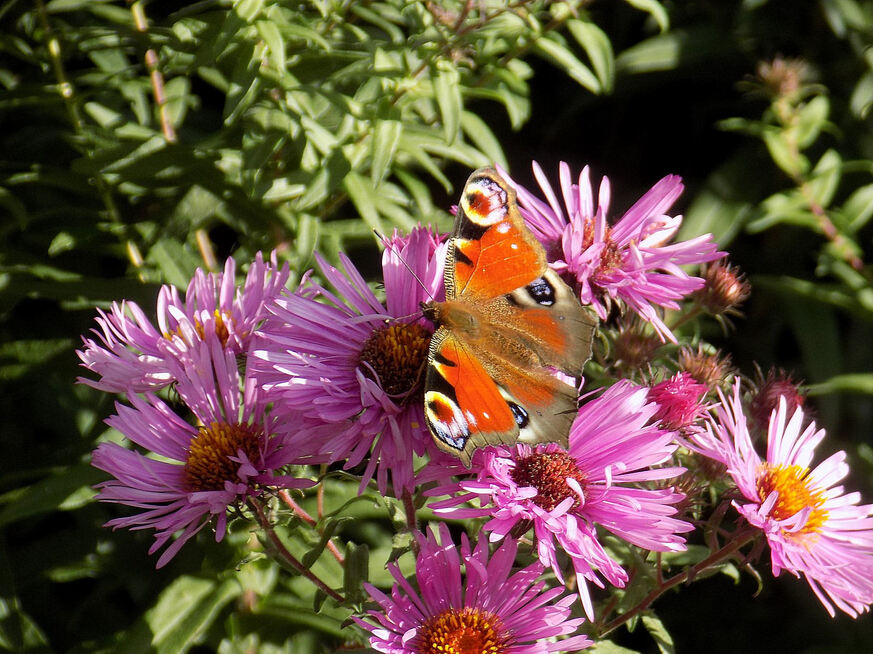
(492, 252)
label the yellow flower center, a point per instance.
(221, 329)
(219, 326)
(462, 631)
(209, 464)
(792, 485)
(395, 354)
(548, 472)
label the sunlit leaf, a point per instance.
(561, 56)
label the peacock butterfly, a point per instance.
(508, 323)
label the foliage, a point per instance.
(142, 141)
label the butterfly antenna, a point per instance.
(389, 246)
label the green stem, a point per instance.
(686, 317)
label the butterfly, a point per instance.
(507, 324)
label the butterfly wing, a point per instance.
(463, 406)
(508, 323)
(491, 252)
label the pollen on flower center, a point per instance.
(794, 494)
(219, 326)
(610, 257)
(548, 473)
(209, 464)
(221, 329)
(394, 355)
(462, 631)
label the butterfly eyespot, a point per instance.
(541, 292)
(520, 415)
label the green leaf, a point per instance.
(297, 613)
(788, 207)
(355, 572)
(248, 10)
(174, 261)
(67, 489)
(655, 9)
(480, 134)
(243, 83)
(366, 199)
(836, 297)
(155, 144)
(386, 138)
(328, 528)
(784, 154)
(272, 36)
(712, 213)
(420, 193)
(599, 50)
(18, 631)
(186, 610)
(811, 119)
(696, 46)
(608, 647)
(561, 56)
(447, 92)
(659, 632)
(849, 383)
(657, 53)
(862, 96)
(308, 227)
(825, 178)
(858, 208)
(62, 242)
(394, 33)
(178, 93)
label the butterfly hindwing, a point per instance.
(463, 406)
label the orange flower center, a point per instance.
(548, 473)
(396, 354)
(462, 631)
(209, 464)
(219, 326)
(792, 485)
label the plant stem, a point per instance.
(741, 538)
(284, 555)
(308, 519)
(67, 91)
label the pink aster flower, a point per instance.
(629, 260)
(613, 448)
(492, 610)
(813, 528)
(230, 454)
(679, 401)
(349, 361)
(131, 353)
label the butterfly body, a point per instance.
(508, 324)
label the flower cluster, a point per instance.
(226, 447)
(812, 526)
(330, 373)
(630, 260)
